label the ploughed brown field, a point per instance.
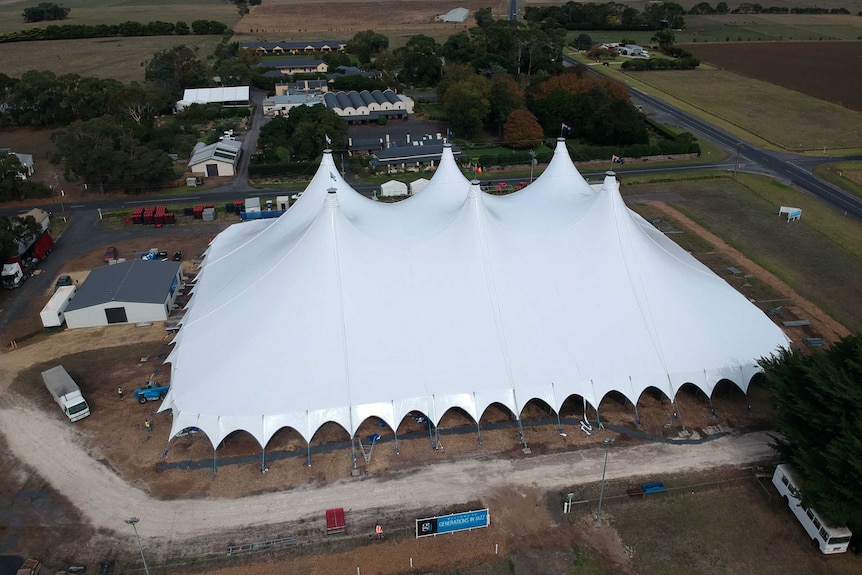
(824, 70)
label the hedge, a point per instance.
(77, 31)
(285, 169)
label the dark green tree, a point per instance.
(583, 42)
(818, 399)
(105, 152)
(303, 133)
(175, 69)
(421, 62)
(365, 45)
(467, 104)
(13, 230)
(46, 11)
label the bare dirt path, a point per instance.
(56, 450)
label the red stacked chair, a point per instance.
(159, 216)
(199, 212)
(170, 218)
(149, 215)
(138, 216)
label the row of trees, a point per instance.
(818, 398)
(755, 8)
(45, 11)
(608, 16)
(130, 28)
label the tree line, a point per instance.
(130, 28)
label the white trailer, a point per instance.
(66, 393)
(52, 313)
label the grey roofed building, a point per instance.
(225, 151)
(297, 47)
(421, 152)
(135, 281)
(456, 15)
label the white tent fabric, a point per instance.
(345, 308)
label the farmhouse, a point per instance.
(281, 105)
(482, 300)
(301, 87)
(27, 164)
(228, 96)
(127, 292)
(297, 66)
(633, 50)
(365, 106)
(294, 48)
(414, 154)
(219, 159)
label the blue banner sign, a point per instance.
(451, 523)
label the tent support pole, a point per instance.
(677, 413)
(431, 435)
(263, 460)
(711, 408)
(308, 444)
(436, 437)
(397, 450)
(215, 469)
(637, 416)
(559, 423)
(479, 433)
(521, 433)
(353, 450)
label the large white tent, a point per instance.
(345, 308)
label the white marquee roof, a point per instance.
(346, 308)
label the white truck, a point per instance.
(66, 393)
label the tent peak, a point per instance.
(331, 198)
(475, 189)
(610, 182)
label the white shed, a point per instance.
(417, 186)
(393, 188)
(52, 313)
(129, 292)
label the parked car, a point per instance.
(63, 280)
(151, 393)
(111, 254)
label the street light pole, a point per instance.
(62, 205)
(608, 441)
(532, 163)
(133, 522)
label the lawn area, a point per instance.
(771, 27)
(845, 175)
(119, 58)
(758, 107)
(819, 256)
(117, 11)
(734, 527)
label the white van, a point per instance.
(830, 539)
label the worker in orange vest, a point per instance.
(379, 531)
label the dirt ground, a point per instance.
(813, 69)
(347, 17)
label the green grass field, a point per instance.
(819, 256)
(771, 27)
(119, 58)
(117, 11)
